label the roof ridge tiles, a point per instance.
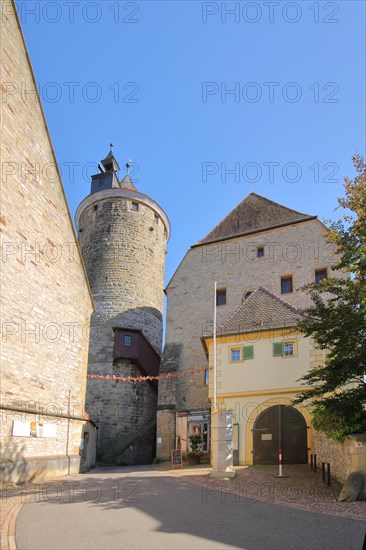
(281, 300)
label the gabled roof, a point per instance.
(262, 310)
(255, 213)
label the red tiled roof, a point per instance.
(262, 310)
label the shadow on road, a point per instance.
(138, 507)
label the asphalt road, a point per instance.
(139, 508)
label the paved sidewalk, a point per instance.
(9, 512)
(13, 498)
(302, 489)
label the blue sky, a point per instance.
(154, 78)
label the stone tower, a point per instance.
(123, 235)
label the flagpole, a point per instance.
(214, 352)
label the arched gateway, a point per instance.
(280, 427)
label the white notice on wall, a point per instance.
(47, 430)
(21, 429)
(266, 437)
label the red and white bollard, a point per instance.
(280, 463)
(280, 474)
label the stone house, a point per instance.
(46, 302)
(259, 244)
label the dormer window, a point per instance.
(246, 295)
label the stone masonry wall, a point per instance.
(125, 413)
(234, 265)
(46, 302)
(125, 262)
(29, 458)
(344, 458)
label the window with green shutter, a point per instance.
(248, 352)
(277, 349)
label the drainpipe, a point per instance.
(68, 434)
(214, 351)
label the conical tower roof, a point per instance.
(127, 183)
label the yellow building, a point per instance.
(260, 359)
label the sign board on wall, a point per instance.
(21, 429)
(47, 430)
(34, 429)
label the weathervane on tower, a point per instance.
(128, 166)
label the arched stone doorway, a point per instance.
(280, 427)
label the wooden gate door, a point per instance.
(280, 427)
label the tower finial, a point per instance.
(111, 146)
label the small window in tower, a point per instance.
(156, 219)
(95, 208)
(221, 296)
(320, 274)
(260, 251)
(135, 206)
(128, 341)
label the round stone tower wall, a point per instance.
(123, 235)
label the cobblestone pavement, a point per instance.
(302, 489)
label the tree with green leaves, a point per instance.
(336, 321)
